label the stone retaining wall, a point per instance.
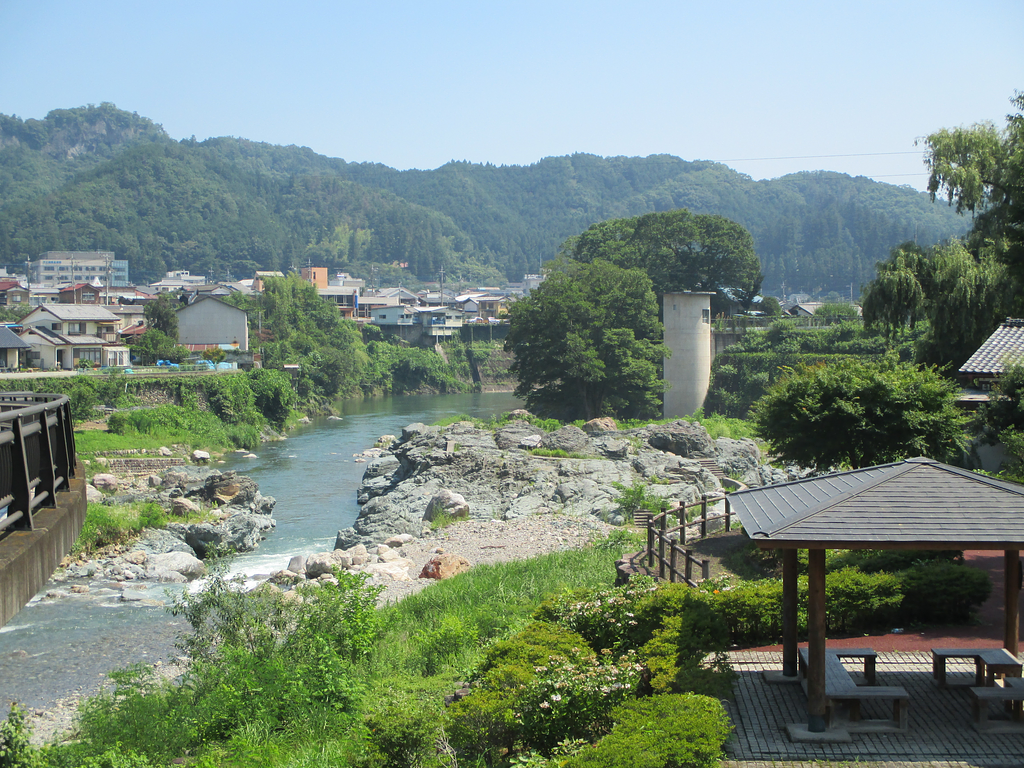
(143, 466)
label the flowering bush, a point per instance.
(574, 698)
(603, 617)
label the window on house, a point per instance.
(705, 316)
(58, 327)
(92, 354)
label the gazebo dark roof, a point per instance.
(918, 503)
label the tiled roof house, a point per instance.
(1002, 349)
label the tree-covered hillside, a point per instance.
(99, 178)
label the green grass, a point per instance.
(92, 441)
(557, 453)
(106, 525)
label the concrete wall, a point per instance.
(28, 558)
(688, 336)
(209, 321)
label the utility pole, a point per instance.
(441, 294)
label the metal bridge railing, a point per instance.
(37, 455)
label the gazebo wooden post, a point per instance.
(1011, 609)
(790, 612)
(816, 641)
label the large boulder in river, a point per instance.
(187, 565)
(239, 533)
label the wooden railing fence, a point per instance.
(666, 546)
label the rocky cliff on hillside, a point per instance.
(481, 474)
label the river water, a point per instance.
(58, 647)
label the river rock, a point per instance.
(444, 566)
(297, 564)
(239, 533)
(154, 481)
(514, 434)
(187, 565)
(163, 450)
(384, 441)
(93, 495)
(683, 438)
(184, 507)
(396, 571)
(498, 481)
(158, 541)
(104, 482)
(200, 457)
(446, 503)
(400, 540)
(320, 563)
(601, 424)
(569, 438)
(737, 457)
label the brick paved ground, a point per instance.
(940, 732)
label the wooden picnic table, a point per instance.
(988, 663)
(842, 689)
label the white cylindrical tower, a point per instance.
(688, 337)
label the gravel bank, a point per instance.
(497, 541)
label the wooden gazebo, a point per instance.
(913, 504)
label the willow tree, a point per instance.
(895, 299)
(967, 299)
(980, 170)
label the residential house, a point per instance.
(395, 314)
(345, 298)
(484, 305)
(208, 320)
(1003, 348)
(13, 294)
(10, 348)
(368, 305)
(438, 321)
(257, 281)
(178, 280)
(66, 335)
(80, 293)
(316, 276)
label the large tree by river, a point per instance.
(679, 251)
(587, 343)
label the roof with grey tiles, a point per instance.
(1004, 347)
(917, 502)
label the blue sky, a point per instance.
(416, 84)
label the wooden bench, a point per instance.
(988, 662)
(842, 689)
(1012, 694)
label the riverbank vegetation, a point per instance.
(321, 676)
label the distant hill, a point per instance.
(100, 178)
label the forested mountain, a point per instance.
(99, 178)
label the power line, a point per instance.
(816, 157)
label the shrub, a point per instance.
(671, 731)
(603, 617)
(15, 749)
(574, 698)
(484, 724)
(403, 732)
(444, 643)
(687, 653)
(856, 600)
(942, 593)
(752, 610)
(534, 646)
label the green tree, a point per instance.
(162, 315)
(851, 413)
(679, 251)
(587, 343)
(980, 170)
(155, 345)
(967, 298)
(895, 299)
(771, 306)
